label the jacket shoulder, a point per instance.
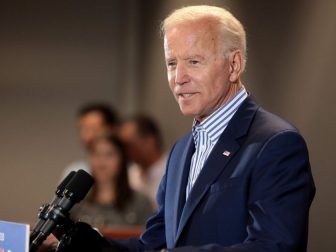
(267, 124)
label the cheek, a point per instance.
(94, 163)
(105, 169)
(113, 164)
(171, 80)
(217, 85)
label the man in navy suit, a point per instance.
(241, 180)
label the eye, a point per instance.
(171, 64)
(193, 62)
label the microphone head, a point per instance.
(79, 186)
(62, 186)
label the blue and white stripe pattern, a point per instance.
(207, 133)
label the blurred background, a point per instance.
(57, 55)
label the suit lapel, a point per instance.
(217, 161)
(212, 168)
(181, 174)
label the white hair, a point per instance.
(231, 30)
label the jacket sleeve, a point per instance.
(280, 193)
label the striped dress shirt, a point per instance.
(207, 133)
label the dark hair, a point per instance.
(109, 115)
(123, 190)
(146, 126)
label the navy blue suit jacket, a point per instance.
(255, 199)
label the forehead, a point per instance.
(192, 36)
(92, 117)
(103, 144)
(128, 128)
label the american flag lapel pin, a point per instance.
(226, 153)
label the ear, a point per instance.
(236, 64)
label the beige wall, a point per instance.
(55, 57)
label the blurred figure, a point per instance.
(94, 120)
(145, 147)
(111, 201)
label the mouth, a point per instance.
(185, 95)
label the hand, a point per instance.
(82, 237)
(49, 245)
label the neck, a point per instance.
(104, 193)
(233, 90)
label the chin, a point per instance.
(188, 112)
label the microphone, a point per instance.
(45, 209)
(74, 192)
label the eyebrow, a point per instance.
(197, 56)
(170, 60)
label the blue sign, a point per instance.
(14, 237)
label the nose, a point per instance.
(181, 74)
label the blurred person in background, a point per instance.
(111, 201)
(94, 119)
(144, 144)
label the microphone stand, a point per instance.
(57, 216)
